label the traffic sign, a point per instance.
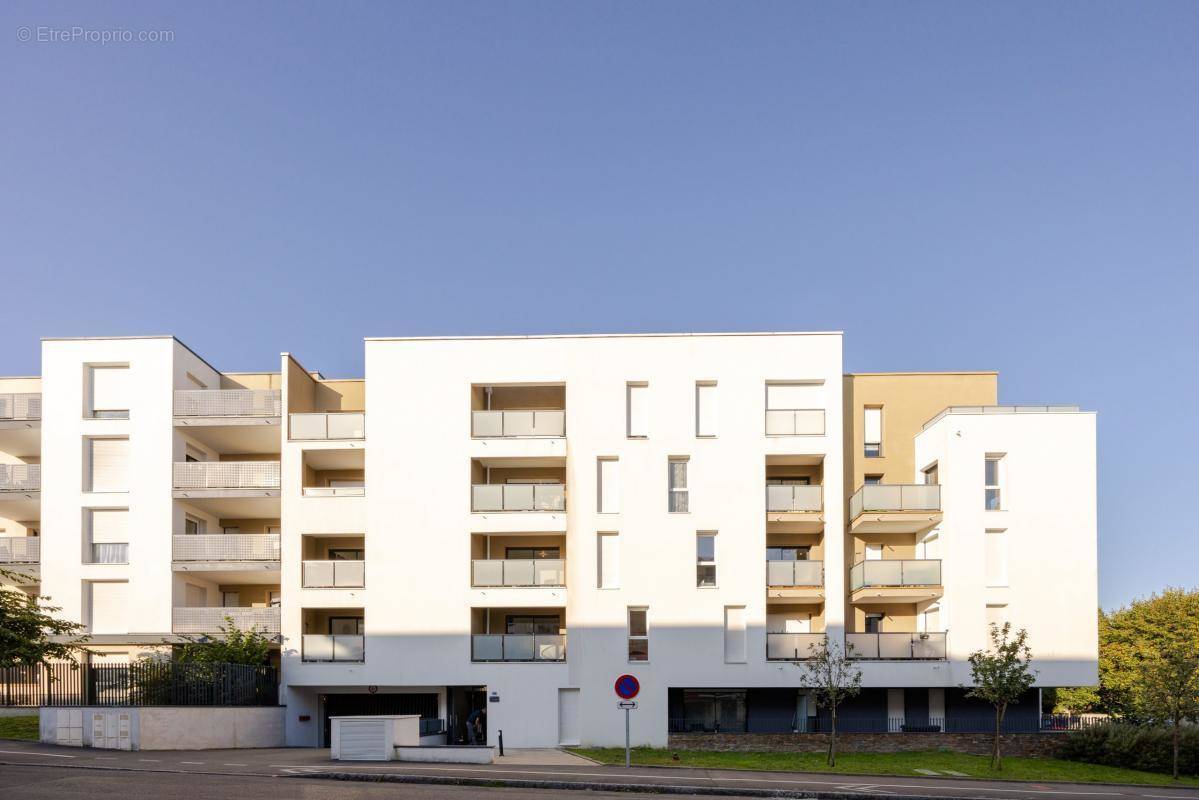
(627, 687)
(627, 704)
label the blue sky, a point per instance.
(1009, 186)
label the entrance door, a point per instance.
(568, 716)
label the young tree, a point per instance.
(1001, 676)
(27, 624)
(234, 646)
(1169, 689)
(834, 677)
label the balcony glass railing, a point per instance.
(896, 646)
(518, 647)
(795, 422)
(210, 619)
(20, 549)
(227, 547)
(228, 403)
(518, 572)
(20, 406)
(484, 424)
(784, 499)
(333, 647)
(793, 646)
(518, 497)
(333, 574)
(794, 573)
(895, 497)
(20, 477)
(921, 572)
(227, 475)
(331, 425)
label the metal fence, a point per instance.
(226, 547)
(895, 572)
(227, 475)
(228, 403)
(517, 423)
(20, 477)
(149, 683)
(336, 425)
(895, 497)
(1064, 409)
(518, 497)
(20, 549)
(21, 406)
(791, 498)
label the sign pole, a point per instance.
(627, 687)
(626, 738)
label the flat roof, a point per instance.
(598, 336)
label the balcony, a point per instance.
(493, 497)
(20, 550)
(227, 558)
(518, 647)
(324, 647)
(518, 572)
(21, 423)
(795, 422)
(895, 508)
(793, 646)
(896, 646)
(795, 581)
(517, 423)
(337, 574)
(210, 619)
(20, 479)
(797, 508)
(229, 478)
(231, 421)
(895, 581)
(328, 426)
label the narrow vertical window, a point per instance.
(678, 499)
(734, 635)
(608, 470)
(996, 556)
(106, 465)
(932, 475)
(705, 409)
(608, 558)
(108, 535)
(705, 559)
(996, 615)
(638, 634)
(637, 406)
(872, 432)
(992, 476)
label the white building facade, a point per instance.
(510, 524)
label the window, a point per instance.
(109, 392)
(608, 556)
(705, 409)
(992, 477)
(872, 428)
(109, 606)
(874, 623)
(932, 475)
(193, 526)
(347, 554)
(608, 475)
(637, 406)
(734, 634)
(996, 614)
(274, 598)
(230, 599)
(345, 626)
(705, 559)
(996, 555)
(230, 530)
(106, 465)
(795, 409)
(787, 553)
(872, 480)
(638, 634)
(529, 553)
(678, 500)
(543, 624)
(108, 535)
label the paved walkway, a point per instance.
(541, 756)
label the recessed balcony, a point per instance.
(895, 508)
(794, 646)
(21, 423)
(333, 561)
(518, 635)
(897, 646)
(518, 494)
(518, 572)
(328, 426)
(334, 473)
(208, 620)
(229, 489)
(333, 635)
(22, 555)
(20, 490)
(799, 507)
(231, 421)
(895, 581)
(228, 558)
(799, 581)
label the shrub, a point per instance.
(1134, 747)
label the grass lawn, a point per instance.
(1014, 769)
(20, 728)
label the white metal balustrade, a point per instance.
(795, 422)
(338, 574)
(518, 647)
(518, 497)
(227, 475)
(897, 572)
(518, 572)
(20, 549)
(228, 403)
(794, 498)
(794, 646)
(795, 573)
(226, 547)
(328, 425)
(895, 497)
(20, 477)
(210, 619)
(333, 647)
(21, 406)
(1062, 409)
(897, 646)
(487, 424)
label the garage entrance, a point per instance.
(379, 704)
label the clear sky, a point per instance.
(1009, 186)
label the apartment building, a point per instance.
(524, 519)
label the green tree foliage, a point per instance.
(27, 624)
(1144, 631)
(834, 678)
(1001, 676)
(1168, 692)
(234, 646)
(1075, 700)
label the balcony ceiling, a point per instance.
(868, 595)
(556, 462)
(257, 573)
(258, 507)
(265, 436)
(794, 522)
(21, 438)
(794, 460)
(21, 505)
(335, 459)
(795, 595)
(895, 521)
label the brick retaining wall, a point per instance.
(1014, 744)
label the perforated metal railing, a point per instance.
(20, 549)
(227, 475)
(20, 405)
(210, 619)
(229, 547)
(20, 477)
(228, 403)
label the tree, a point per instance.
(1001, 676)
(27, 624)
(1169, 689)
(1073, 700)
(834, 678)
(1128, 637)
(234, 646)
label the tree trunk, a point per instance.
(996, 754)
(832, 739)
(1174, 739)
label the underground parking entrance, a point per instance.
(447, 714)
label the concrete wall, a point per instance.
(183, 728)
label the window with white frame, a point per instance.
(638, 633)
(637, 407)
(705, 559)
(608, 477)
(992, 478)
(872, 431)
(678, 501)
(705, 409)
(608, 558)
(108, 535)
(108, 391)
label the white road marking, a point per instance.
(34, 753)
(232, 764)
(155, 760)
(926, 771)
(957, 774)
(191, 762)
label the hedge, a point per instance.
(1135, 747)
